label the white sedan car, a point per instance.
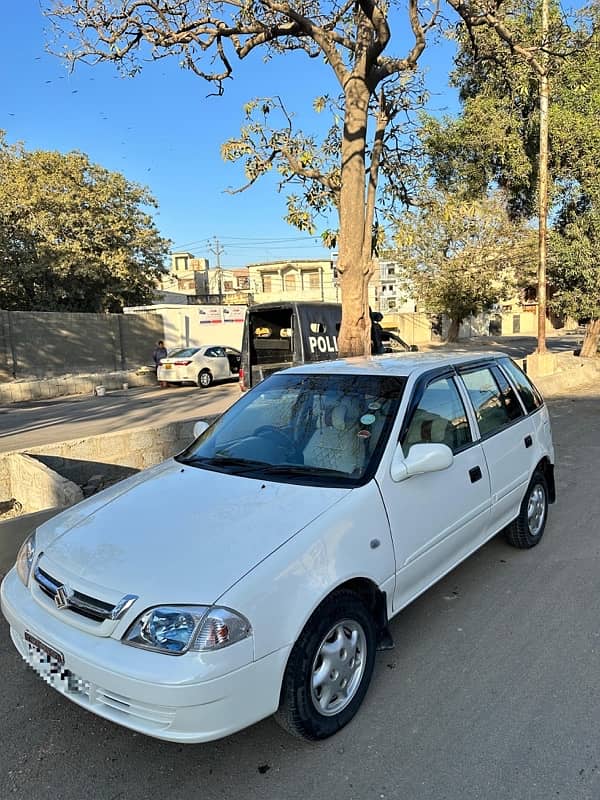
(200, 365)
(324, 501)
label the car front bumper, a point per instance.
(170, 702)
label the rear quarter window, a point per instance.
(529, 395)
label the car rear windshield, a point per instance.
(185, 353)
(312, 429)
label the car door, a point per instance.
(233, 357)
(218, 362)
(436, 518)
(507, 437)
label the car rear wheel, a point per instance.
(205, 379)
(329, 669)
(528, 528)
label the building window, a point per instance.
(313, 279)
(228, 286)
(391, 271)
(289, 282)
(181, 263)
(267, 283)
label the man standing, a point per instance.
(159, 352)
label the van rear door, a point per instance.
(268, 342)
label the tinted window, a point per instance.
(488, 401)
(439, 418)
(509, 397)
(186, 353)
(527, 392)
(214, 352)
(326, 429)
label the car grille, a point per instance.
(80, 603)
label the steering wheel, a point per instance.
(283, 440)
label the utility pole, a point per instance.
(543, 183)
(215, 248)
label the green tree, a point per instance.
(495, 140)
(349, 38)
(73, 236)
(461, 256)
(575, 270)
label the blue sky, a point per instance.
(160, 129)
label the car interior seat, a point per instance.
(335, 443)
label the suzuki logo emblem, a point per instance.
(62, 598)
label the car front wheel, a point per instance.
(528, 528)
(329, 669)
(205, 379)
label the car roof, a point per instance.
(403, 364)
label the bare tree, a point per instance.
(350, 35)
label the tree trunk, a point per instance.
(589, 348)
(354, 260)
(453, 330)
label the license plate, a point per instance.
(49, 663)
(168, 366)
(43, 652)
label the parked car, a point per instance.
(256, 572)
(200, 365)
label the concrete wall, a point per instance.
(43, 344)
(79, 459)
(39, 487)
(413, 327)
(192, 326)
(20, 391)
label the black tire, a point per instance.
(345, 613)
(528, 528)
(205, 378)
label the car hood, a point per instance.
(175, 533)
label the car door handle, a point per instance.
(528, 441)
(475, 474)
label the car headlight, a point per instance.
(25, 558)
(178, 629)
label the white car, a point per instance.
(324, 501)
(200, 365)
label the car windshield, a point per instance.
(303, 428)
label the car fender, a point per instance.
(351, 540)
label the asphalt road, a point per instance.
(491, 693)
(45, 421)
(42, 422)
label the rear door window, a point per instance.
(493, 399)
(527, 392)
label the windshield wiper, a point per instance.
(243, 466)
(300, 469)
(226, 462)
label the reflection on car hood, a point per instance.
(178, 534)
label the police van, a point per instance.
(280, 335)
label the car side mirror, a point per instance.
(414, 348)
(199, 428)
(421, 458)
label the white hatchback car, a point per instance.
(200, 365)
(326, 500)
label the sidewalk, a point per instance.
(20, 391)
